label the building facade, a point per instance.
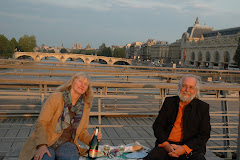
(77, 46)
(133, 51)
(145, 50)
(209, 49)
(159, 51)
(174, 52)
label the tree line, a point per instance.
(28, 43)
(103, 51)
(236, 57)
(24, 44)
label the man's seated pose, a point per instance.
(182, 127)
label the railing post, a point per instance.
(99, 108)
(40, 89)
(225, 120)
(99, 112)
(238, 143)
(42, 98)
(115, 100)
(45, 88)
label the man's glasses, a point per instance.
(184, 86)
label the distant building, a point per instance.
(46, 48)
(159, 51)
(88, 47)
(79, 46)
(115, 46)
(145, 51)
(76, 46)
(201, 46)
(174, 52)
(102, 46)
(133, 51)
(61, 46)
(127, 49)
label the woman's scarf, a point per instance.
(64, 119)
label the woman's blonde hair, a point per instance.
(88, 95)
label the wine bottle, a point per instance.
(93, 147)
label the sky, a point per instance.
(113, 22)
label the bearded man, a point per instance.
(182, 127)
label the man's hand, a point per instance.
(40, 152)
(178, 150)
(168, 147)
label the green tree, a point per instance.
(3, 45)
(51, 51)
(106, 52)
(63, 50)
(14, 42)
(27, 43)
(10, 49)
(84, 51)
(236, 57)
(102, 46)
(44, 50)
(119, 52)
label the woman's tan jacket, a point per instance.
(44, 129)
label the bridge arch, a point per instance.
(69, 59)
(121, 63)
(199, 59)
(216, 57)
(102, 61)
(200, 56)
(24, 57)
(79, 59)
(208, 57)
(50, 57)
(37, 56)
(192, 58)
(226, 59)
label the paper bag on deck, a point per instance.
(133, 148)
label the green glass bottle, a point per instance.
(93, 147)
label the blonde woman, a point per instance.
(62, 122)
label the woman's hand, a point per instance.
(41, 151)
(99, 136)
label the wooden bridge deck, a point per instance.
(13, 133)
(119, 90)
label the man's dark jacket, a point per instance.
(196, 123)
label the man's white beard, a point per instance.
(186, 98)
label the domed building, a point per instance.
(202, 47)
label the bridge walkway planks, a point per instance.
(14, 132)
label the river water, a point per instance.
(88, 69)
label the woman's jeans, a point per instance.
(66, 151)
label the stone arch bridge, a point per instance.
(62, 57)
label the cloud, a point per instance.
(183, 7)
(99, 5)
(208, 8)
(27, 17)
(201, 6)
(106, 5)
(150, 4)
